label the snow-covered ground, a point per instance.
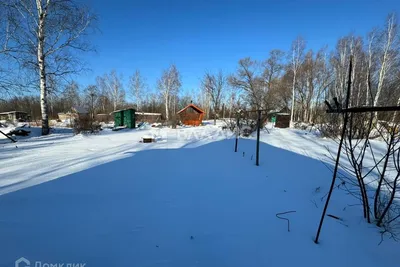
(186, 200)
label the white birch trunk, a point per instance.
(385, 60)
(395, 113)
(42, 68)
(292, 109)
(166, 106)
(371, 39)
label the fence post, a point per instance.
(346, 116)
(258, 138)
(6, 135)
(237, 132)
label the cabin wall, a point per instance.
(14, 116)
(282, 121)
(191, 118)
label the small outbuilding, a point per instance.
(191, 115)
(14, 116)
(280, 119)
(125, 117)
(73, 114)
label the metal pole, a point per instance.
(363, 109)
(346, 116)
(6, 135)
(237, 132)
(258, 138)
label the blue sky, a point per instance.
(210, 35)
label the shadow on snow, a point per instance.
(181, 207)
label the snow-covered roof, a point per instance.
(121, 110)
(10, 112)
(80, 109)
(147, 113)
(138, 112)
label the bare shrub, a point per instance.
(85, 124)
(376, 185)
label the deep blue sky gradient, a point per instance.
(210, 35)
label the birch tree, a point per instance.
(137, 85)
(388, 53)
(169, 85)
(371, 55)
(45, 36)
(111, 85)
(297, 54)
(312, 81)
(214, 86)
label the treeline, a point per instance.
(298, 80)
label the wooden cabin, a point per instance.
(191, 115)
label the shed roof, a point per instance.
(79, 109)
(199, 110)
(119, 110)
(10, 112)
(147, 113)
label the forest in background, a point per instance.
(299, 79)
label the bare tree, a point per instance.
(137, 85)
(273, 70)
(71, 96)
(214, 86)
(111, 85)
(249, 80)
(273, 67)
(91, 96)
(10, 74)
(313, 79)
(169, 85)
(297, 55)
(44, 36)
(384, 172)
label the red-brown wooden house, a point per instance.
(191, 115)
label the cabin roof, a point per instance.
(199, 110)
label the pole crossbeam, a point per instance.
(363, 109)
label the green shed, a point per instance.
(125, 117)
